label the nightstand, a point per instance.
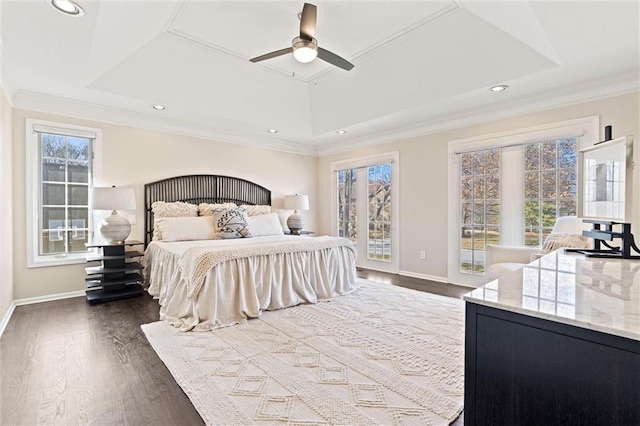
(116, 277)
(301, 233)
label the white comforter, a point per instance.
(242, 287)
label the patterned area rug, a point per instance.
(380, 355)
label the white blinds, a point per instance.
(40, 128)
(358, 163)
(518, 139)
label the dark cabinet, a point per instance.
(522, 370)
(116, 274)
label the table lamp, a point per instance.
(114, 228)
(295, 203)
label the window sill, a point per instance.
(62, 261)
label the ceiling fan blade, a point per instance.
(334, 59)
(272, 54)
(308, 22)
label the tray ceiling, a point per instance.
(416, 64)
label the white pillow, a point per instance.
(264, 224)
(163, 209)
(257, 209)
(186, 228)
(175, 209)
(207, 209)
(557, 240)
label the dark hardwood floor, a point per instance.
(69, 362)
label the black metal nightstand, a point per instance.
(115, 277)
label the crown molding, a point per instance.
(89, 111)
(617, 85)
(5, 74)
(579, 93)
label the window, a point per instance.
(365, 208)
(379, 215)
(550, 186)
(509, 189)
(347, 205)
(61, 170)
(479, 207)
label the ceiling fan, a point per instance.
(305, 48)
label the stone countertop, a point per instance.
(597, 294)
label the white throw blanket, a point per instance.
(196, 262)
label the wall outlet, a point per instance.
(423, 254)
(131, 217)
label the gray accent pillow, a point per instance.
(231, 223)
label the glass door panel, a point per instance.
(367, 221)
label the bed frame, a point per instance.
(196, 189)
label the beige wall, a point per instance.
(6, 214)
(424, 176)
(133, 157)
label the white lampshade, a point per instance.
(112, 198)
(296, 202)
(114, 228)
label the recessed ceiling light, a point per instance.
(341, 132)
(499, 88)
(67, 7)
(272, 130)
(159, 107)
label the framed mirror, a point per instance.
(605, 181)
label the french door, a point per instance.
(366, 212)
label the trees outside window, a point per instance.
(366, 210)
(65, 174)
(378, 219)
(550, 186)
(63, 163)
(479, 207)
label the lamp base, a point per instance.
(114, 228)
(295, 223)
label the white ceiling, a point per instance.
(419, 66)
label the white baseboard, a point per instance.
(7, 317)
(375, 270)
(424, 276)
(49, 298)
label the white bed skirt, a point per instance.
(239, 289)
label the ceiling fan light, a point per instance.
(305, 50)
(305, 54)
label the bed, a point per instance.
(205, 283)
